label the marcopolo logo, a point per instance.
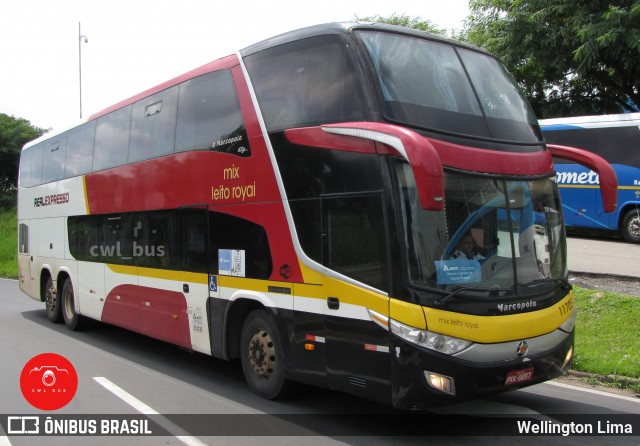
(48, 381)
(519, 306)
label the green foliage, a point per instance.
(607, 333)
(406, 21)
(571, 57)
(14, 133)
(8, 244)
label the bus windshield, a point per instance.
(441, 87)
(495, 234)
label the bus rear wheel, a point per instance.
(72, 319)
(52, 302)
(631, 226)
(261, 356)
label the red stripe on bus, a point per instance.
(154, 312)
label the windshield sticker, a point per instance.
(451, 272)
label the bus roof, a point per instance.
(343, 28)
(231, 60)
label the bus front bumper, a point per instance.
(423, 378)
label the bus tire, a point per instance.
(261, 356)
(72, 319)
(52, 302)
(630, 227)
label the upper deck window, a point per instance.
(441, 87)
(209, 115)
(304, 83)
(153, 125)
(31, 165)
(112, 139)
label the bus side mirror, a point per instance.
(608, 178)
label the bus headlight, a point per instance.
(424, 338)
(440, 382)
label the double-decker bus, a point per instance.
(302, 206)
(616, 138)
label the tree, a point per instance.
(571, 57)
(406, 21)
(14, 133)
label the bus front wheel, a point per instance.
(72, 319)
(261, 356)
(631, 226)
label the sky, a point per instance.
(134, 45)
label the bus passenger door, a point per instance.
(197, 284)
(25, 259)
(354, 245)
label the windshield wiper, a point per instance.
(561, 282)
(441, 301)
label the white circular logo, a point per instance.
(48, 378)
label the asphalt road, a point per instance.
(124, 373)
(603, 256)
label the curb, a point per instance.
(605, 378)
(607, 275)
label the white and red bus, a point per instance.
(301, 205)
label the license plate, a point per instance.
(519, 376)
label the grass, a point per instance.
(607, 333)
(8, 244)
(607, 327)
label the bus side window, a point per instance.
(354, 238)
(193, 240)
(112, 139)
(116, 234)
(209, 114)
(248, 239)
(55, 151)
(305, 83)
(153, 125)
(31, 166)
(84, 242)
(79, 156)
(155, 239)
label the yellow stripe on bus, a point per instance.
(483, 329)
(490, 329)
(86, 197)
(347, 294)
(407, 313)
(583, 186)
(577, 186)
(178, 276)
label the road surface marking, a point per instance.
(143, 408)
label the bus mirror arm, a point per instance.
(418, 151)
(608, 178)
